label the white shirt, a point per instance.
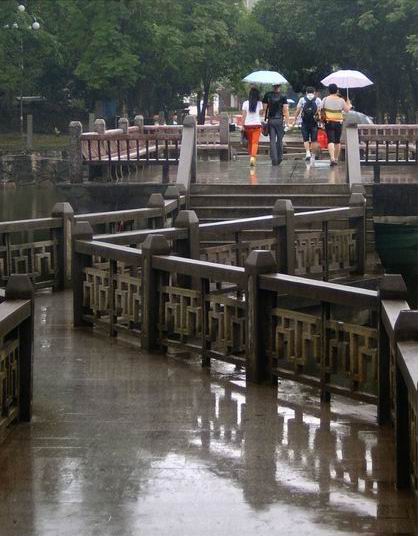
(252, 118)
(302, 101)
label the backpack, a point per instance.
(309, 111)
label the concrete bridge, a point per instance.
(197, 377)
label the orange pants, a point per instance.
(253, 137)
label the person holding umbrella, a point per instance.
(252, 108)
(332, 109)
(277, 112)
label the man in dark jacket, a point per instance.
(278, 115)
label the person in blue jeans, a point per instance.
(277, 112)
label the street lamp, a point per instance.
(22, 25)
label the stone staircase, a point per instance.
(218, 202)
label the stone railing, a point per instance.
(399, 376)
(322, 334)
(41, 247)
(142, 144)
(16, 354)
(379, 145)
(321, 244)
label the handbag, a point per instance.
(265, 125)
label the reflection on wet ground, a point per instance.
(125, 443)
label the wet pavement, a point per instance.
(125, 443)
(292, 171)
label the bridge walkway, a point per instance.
(123, 442)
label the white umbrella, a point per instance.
(347, 79)
(265, 77)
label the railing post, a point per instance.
(284, 232)
(153, 245)
(156, 201)
(63, 262)
(406, 328)
(100, 126)
(391, 287)
(224, 136)
(357, 200)
(92, 117)
(29, 131)
(81, 231)
(189, 247)
(258, 320)
(139, 122)
(123, 124)
(19, 287)
(173, 192)
(352, 154)
(75, 156)
(186, 171)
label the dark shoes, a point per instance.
(333, 163)
(273, 163)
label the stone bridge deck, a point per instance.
(126, 443)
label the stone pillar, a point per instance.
(358, 201)
(81, 231)
(391, 287)
(76, 158)
(123, 124)
(139, 122)
(284, 232)
(100, 126)
(92, 117)
(19, 287)
(224, 136)
(259, 305)
(64, 236)
(29, 131)
(156, 201)
(153, 245)
(161, 118)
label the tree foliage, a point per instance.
(378, 37)
(148, 55)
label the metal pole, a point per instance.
(21, 85)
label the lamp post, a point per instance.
(21, 23)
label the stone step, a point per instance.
(266, 199)
(271, 189)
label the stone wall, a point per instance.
(34, 167)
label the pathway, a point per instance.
(124, 443)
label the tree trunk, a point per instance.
(198, 99)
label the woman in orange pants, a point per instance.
(252, 108)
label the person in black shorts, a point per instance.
(308, 107)
(333, 107)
